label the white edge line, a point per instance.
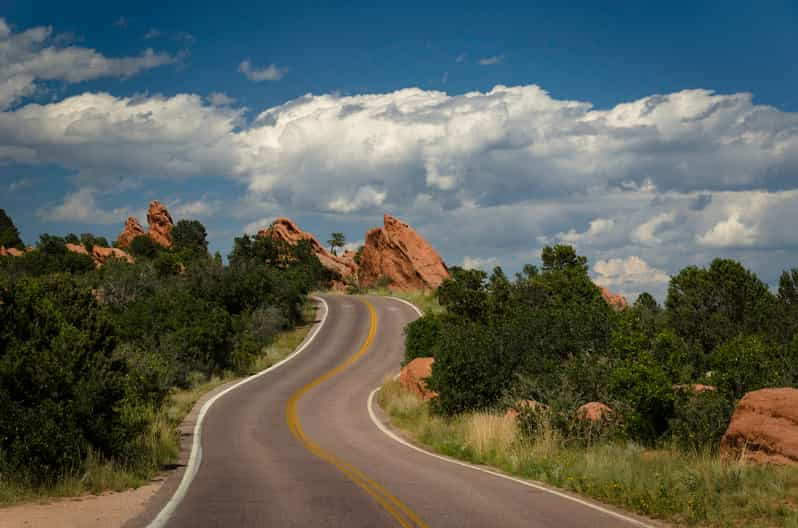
(195, 459)
(394, 436)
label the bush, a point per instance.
(422, 337)
(745, 364)
(60, 388)
(644, 389)
(700, 419)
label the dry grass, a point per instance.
(695, 490)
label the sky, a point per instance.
(651, 137)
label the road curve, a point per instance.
(297, 448)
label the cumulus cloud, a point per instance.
(82, 207)
(34, 55)
(646, 232)
(597, 227)
(195, 209)
(269, 73)
(630, 271)
(484, 264)
(505, 170)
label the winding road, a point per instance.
(299, 447)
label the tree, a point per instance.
(143, 246)
(708, 307)
(190, 235)
(9, 235)
(337, 240)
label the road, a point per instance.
(298, 448)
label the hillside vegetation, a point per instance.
(548, 336)
(91, 359)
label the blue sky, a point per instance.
(651, 137)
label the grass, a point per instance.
(698, 489)
(426, 302)
(157, 447)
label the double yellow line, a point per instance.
(403, 515)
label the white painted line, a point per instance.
(195, 459)
(411, 305)
(394, 436)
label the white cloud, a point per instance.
(220, 99)
(490, 61)
(151, 34)
(269, 73)
(596, 227)
(353, 246)
(461, 58)
(34, 55)
(646, 232)
(81, 207)
(195, 209)
(365, 197)
(729, 233)
(484, 264)
(632, 270)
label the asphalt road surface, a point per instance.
(298, 448)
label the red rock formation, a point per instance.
(617, 302)
(132, 230)
(520, 405)
(160, 224)
(77, 248)
(102, 254)
(413, 377)
(764, 427)
(398, 253)
(697, 388)
(10, 252)
(286, 230)
(594, 411)
(99, 254)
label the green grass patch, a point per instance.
(426, 302)
(698, 489)
(158, 446)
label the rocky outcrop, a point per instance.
(131, 230)
(764, 427)
(696, 388)
(521, 405)
(617, 302)
(10, 252)
(160, 224)
(77, 248)
(396, 253)
(413, 377)
(343, 268)
(102, 254)
(594, 412)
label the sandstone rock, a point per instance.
(413, 375)
(398, 253)
(102, 254)
(617, 302)
(285, 229)
(764, 427)
(131, 230)
(594, 412)
(160, 224)
(10, 252)
(77, 248)
(697, 388)
(515, 410)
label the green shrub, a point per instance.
(422, 337)
(746, 363)
(60, 388)
(700, 419)
(644, 389)
(673, 354)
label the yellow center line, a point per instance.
(389, 502)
